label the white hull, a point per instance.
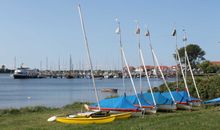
(196, 104)
(168, 107)
(150, 110)
(183, 106)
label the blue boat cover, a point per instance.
(159, 98)
(118, 103)
(133, 99)
(176, 95)
(213, 101)
(185, 95)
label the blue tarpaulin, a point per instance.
(185, 95)
(159, 98)
(133, 99)
(116, 103)
(176, 95)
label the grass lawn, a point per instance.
(35, 118)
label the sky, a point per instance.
(36, 30)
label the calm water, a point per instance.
(58, 92)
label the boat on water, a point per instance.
(111, 90)
(25, 73)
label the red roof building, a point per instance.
(215, 62)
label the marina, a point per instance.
(123, 66)
(16, 93)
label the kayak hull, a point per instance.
(85, 120)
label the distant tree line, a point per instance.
(3, 69)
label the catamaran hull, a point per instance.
(167, 107)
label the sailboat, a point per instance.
(70, 74)
(183, 101)
(123, 103)
(168, 105)
(87, 117)
(150, 107)
(195, 101)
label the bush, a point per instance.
(208, 87)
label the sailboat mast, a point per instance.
(88, 54)
(15, 64)
(184, 40)
(59, 67)
(139, 47)
(126, 64)
(190, 68)
(118, 31)
(70, 65)
(177, 75)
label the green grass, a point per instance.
(35, 118)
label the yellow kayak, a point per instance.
(86, 120)
(123, 115)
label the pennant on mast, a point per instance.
(184, 38)
(147, 33)
(117, 31)
(138, 30)
(174, 32)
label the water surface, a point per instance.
(58, 92)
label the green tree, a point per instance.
(207, 67)
(204, 65)
(195, 54)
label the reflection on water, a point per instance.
(58, 92)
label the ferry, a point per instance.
(25, 73)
